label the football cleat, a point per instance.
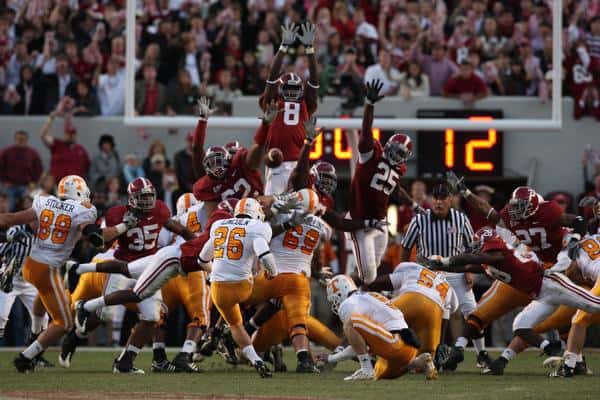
(278, 362)
(360, 375)
(69, 345)
(424, 363)
(553, 349)
(23, 364)
(262, 369)
(121, 368)
(441, 355)
(183, 363)
(581, 368)
(41, 362)
(456, 356)
(307, 367)
(162, 366)
(227, 349)
(210, 344)
(563, 371)
(71, 277)
(81, 317)
(496, 367)
(197, 357)
(483, 359)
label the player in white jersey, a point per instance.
(61, 222)
(373, 325)
(424, 297)
(293, 250)
(235, 245)
(587, 267)
(191, 214)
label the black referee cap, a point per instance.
(440, 191)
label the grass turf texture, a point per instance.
(90, 377)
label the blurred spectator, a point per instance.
(30, 94)
(466, 85)
(413, 82)
(594, 192)
(563, 199)
(592, 38)
(20, 166)
(150, 96)
(111, 89)
(60, 83)
(86, 103)
(250, 84)
(156, 163)
(67, 157)
(223, 94)
(533, 70)
(183, 95)
(114, 194)
(514, 80)
(342, 21)
(183, 165)
(106, 163)
(385, 72)
(169, 193)
(490, 42)
(132, 168)
(437, 66)
(19, 58)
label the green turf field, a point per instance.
(90, 377)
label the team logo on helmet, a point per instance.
(141, 194)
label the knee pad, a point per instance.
(298, 330)
(409, 337)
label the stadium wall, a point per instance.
(557, 154)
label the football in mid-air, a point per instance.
(274, 158)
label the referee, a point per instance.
(445, 231)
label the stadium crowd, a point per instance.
(466, 49)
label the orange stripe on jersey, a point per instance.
(365, 320)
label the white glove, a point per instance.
(284, 202)
(204, 110)
(378, 224)
(130, 220)
(297, 218)
(289, 32)
(307, 37)
(324, 275)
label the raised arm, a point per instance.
(466, 262)
(340, 223)
(257, 151)
(372, 94)
(288, 37)
(17, 218)
(45, 135)
(458, 186)
(307, 37)
(204, 112)
(299, 175)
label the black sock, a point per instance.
(127, 358)
(303, 356)
(159, 355)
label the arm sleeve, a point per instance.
(412, 233)
(206, 254)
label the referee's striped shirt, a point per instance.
(18, 249)
(439, 237)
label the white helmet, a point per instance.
(73, 187)
(185, 201)
(249, 207)
(339, 288)
(308, 199)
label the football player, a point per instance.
(61, 222)
(235, 245)
(521, 269)
(375, 179)
(424, 297)
(373, 325)
(298, 101)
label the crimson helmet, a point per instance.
(523, 203)
(290, 86)
(398, 149)
(233, 147)
(141, 195)
(228, 204)
(216, 162)
(325, 177)
(480, 237)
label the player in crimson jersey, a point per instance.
(298, 101)
(521, 269)
(375, 179)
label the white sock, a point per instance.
(158, 345)
(570, 359)
(579, 357)
(479, 344)
(509, 354)
(365, 362)
(189, 346)
(94, 304)
(250, 354)
(544, 343)
(116, 334)
(37, 323)
(33, 350)
(461, 342)
(85, 267)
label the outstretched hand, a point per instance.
(372, 91)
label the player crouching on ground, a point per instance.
(373, 325)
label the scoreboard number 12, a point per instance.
(470, 148)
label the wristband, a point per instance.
(309, 50)
(312, 85)
(284, 49)
(273, 82)
(445, 261)
(121, 228)
(467, 193)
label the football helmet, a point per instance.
(308, 200)
(398, 149)
(523, 203)
(339, 288)
(482, 235)
(73, 187)
(325, 177)
(290, 86)
(141, 195)
(228, 204)
(250, 208)
(216, 161)
(184, 202)
(233, 147)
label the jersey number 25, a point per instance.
(385, 179)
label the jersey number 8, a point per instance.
(291, 113)
(57, 230)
